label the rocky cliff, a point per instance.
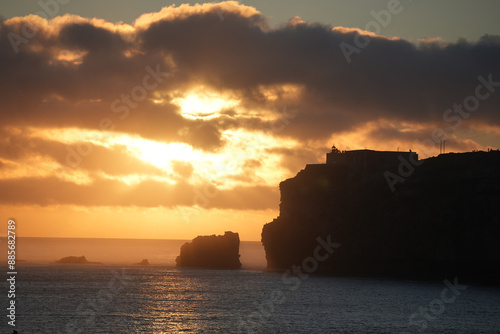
(444, 219)
(217, 252)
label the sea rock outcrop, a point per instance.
(217, 252)
(76, 260)
(441, 220)
(144, 262)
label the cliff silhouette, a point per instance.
(442, 221)
(214, 251)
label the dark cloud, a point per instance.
(85, 36)
(390, 78)
(204, 136)
(114, 161)
(102, 192)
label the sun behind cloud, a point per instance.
(203, 104)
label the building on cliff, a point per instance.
(366, 160)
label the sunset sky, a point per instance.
(141, 119)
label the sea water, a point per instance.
(160, 298)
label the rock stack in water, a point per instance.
(214, 251)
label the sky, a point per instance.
(130, 119)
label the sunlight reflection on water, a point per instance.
(173, 300)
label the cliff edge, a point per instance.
(442, 220)
(216, 252)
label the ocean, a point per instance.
(119, 297)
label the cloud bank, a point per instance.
(291, 84)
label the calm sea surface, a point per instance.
(123, 298)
